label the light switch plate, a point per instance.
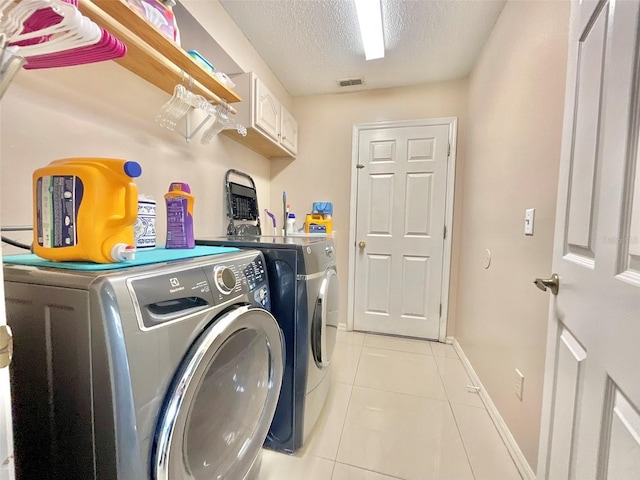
(528, 221)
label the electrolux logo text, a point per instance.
(175, 283)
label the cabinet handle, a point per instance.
(284, 138)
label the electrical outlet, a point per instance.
(519, 384)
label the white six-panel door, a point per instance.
(591, 409)
(399, 241)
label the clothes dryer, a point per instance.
(163, 372)
(305, 302)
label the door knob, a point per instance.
(362, 245)
(553, 283)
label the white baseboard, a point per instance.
(514, 450)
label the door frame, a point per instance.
(452, 122)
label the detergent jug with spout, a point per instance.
(84, 210)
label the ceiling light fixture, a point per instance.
(370, 20)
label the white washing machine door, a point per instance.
(324, 327)
(222, 400)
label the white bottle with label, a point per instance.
(291, 224)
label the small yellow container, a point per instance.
(315, 223)
(84, 210)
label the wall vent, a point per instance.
(350, 82)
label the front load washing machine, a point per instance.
(305, 302)
(163, 372)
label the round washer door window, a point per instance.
(222, 400)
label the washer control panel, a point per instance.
(255, 273)
(242, 276)
(225, 279)
(172, 293)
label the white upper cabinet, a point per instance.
(289, 131)
(271, 130)
(267, 111)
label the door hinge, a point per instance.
(445, 232)
(449, 150)
(440, 309)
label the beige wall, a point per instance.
(516, 94)
(322, 171)
(105, 111)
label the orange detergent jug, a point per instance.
(85, 209)
(318, 224)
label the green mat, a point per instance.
(143, 257)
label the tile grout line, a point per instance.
(447, 400)
(479, 407)
(444, 386)
(371, 471)
(455, 420)
(353, 385)
(398, 351)
(418, 341)
(464, 445)
(333, 470)
(403, 393)
(482, 406)
(344, 420)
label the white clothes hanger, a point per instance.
(13, 18)
(73, 31)
(82, 33)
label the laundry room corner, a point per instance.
(322, 169)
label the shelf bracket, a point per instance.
(10, 64)
(189, 134)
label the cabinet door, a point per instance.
(267, 113)
(289, 132)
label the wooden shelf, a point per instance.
(150, 54)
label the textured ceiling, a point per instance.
(310, 44)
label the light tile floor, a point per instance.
(398, 409)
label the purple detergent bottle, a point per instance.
(179, 216)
